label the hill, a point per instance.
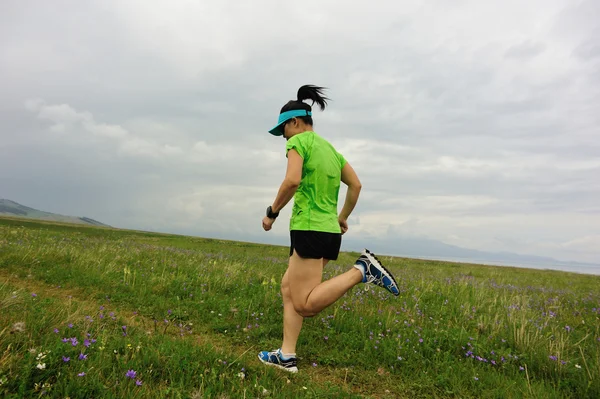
(12, 208)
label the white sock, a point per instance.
(286, 356)
(361, 268)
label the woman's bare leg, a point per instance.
(292, 321)
(309, 295)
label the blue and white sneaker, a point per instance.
(376, 273)
(275, 358)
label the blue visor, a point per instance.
(286, 116)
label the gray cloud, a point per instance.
(590, 49)
(468, 123)
(525, 50)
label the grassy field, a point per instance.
(92, 312)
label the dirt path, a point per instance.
(322, 376)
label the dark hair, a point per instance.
(307, 92)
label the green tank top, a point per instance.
(315, 201)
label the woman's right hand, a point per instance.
(343, 225)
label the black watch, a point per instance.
(271, 214)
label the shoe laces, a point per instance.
(371, 279)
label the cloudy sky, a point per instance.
(475, 123)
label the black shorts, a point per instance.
(315, 244)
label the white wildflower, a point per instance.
(18, 327)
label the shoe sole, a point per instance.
(290, 369)
(373, 258)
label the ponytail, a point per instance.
(307, 92)
(314, 93)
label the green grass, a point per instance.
(189, 315)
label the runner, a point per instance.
(314, 173)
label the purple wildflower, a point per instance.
(66, 359)
(81, 374)
(74, 341)
(138, 383)
(70, 325)
(568, 328)
(553, 357)
(33, 294)
(56, 331)
(82, 356)
(314, 364)
(65, 340)
(521, 368)
(86, 343)
(131, 374)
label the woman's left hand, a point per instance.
(267, 223)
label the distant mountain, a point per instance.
(421, 247)
(425, 248)
(11, 208)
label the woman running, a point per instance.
(314, 172)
